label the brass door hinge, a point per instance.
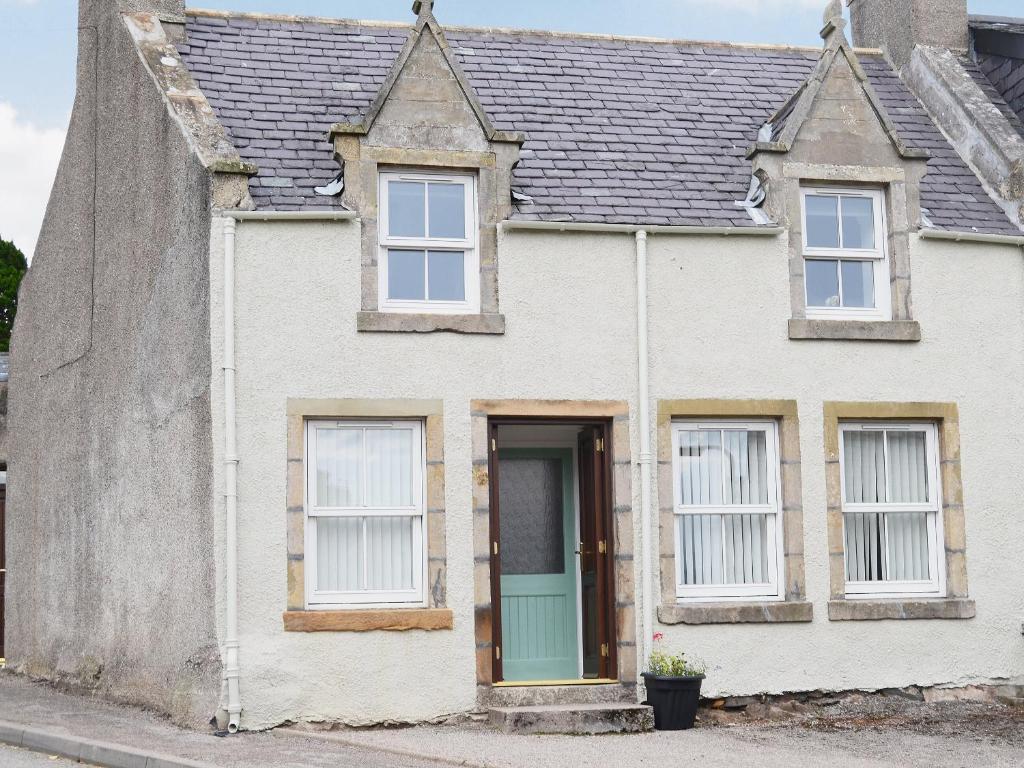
(495, 547)
(494, 444)
(497, 651)
(604, 650)
(602, 547)
(600, 445)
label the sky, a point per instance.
(38, 40)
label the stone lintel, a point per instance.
(857, 174)
(736, 613)
(879, 610)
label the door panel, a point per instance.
(538, 567)
(3, 563)
(595, 593)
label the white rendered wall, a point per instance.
(718, 330)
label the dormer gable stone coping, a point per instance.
(795, 111)
(425, 21)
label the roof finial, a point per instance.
(833, 10)
(423, 7)
(834, 21)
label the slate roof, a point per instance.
(1002, 72)
(618, 130)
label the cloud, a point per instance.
(28, 163)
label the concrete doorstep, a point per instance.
(100, 753)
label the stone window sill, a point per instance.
(878, 610)
(736, 613)
(855, 330)
(401, 322)
(387, 619)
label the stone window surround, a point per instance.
(297, 618)
(622, 502)
(900, 197)
(956, 604)
(363, 163)
(794, 607)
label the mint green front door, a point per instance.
(538, 564)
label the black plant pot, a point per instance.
(674, 699)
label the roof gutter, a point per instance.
(656, 229)
(291, 215)
(972, 237)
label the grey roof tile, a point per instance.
(1003, 75)
(617, 131)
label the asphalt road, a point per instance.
(16, 757)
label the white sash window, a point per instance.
(728, 518)
(429, 259)
(846, 272)
(364, 506)
(892, 526)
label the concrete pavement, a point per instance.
(81, 720)
(950, 735)
(17, 757)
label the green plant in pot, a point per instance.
(673, 688)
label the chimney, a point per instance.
(898, 26)
(90, 11)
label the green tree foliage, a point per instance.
(13, 267)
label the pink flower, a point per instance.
(658, 637)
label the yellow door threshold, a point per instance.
(534, 683)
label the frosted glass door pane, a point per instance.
(389, 457)
(339, 554)
(858, 222)
(389, 548)
(858, 284)
(908, 467)
(822, 221)
(447, 276)
(746, 468)
(448, 211)
(406, 271)
(822, 283)
(406, 208)
(339, 470)
(864, 467)
(700, 464)
(532, 516)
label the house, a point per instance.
(4, 367)
(375, 372)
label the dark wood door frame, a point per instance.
(609, 664)
(3, 562)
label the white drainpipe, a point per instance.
(234, 704)
(646, 458)
(231, 670)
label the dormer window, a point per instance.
(846, 272)
(429, 258)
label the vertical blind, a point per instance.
(365, 509)
(890, 538)
(720, 472)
